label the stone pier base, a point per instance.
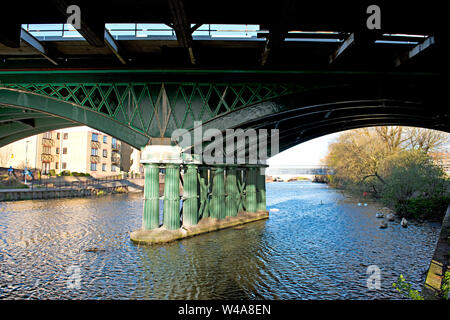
(162, 235)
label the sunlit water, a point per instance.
(316, 246)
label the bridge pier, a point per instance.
(214, 197)
(231, 192)
(190, 196)
(150, 217)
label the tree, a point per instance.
(425, 139)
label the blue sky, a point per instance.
(307, 153)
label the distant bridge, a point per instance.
(298, 170)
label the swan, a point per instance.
(274, 209)
(404, 223)
(359, 204)
(383, 224)
(379, 215)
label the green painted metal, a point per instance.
(241, 177)
(203, 211)
(232, 193)
(250, 190)
(141, 109)
(218, 193)
(261, 190)
(171, 210)
(150, 218)
(190, 186)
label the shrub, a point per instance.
(65, 173)
(423, 207)
(52, 172)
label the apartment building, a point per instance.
(79, 149)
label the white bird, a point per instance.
(383, 224)
(404, 223)
(390, 217)
(359, 204)
(365, 204)
(379, 215)
(274, 209)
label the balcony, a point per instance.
(95, 159)
(115, 147)
(96, 144)
(115, 158)
(48, 142)
(45, 157)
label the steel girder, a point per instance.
(135, 112)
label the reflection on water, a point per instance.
(317, 246)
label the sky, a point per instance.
(307, 153)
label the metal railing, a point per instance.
(61, 184)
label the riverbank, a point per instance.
(69, 189)
(437, 284)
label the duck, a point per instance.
(274, 209)
(365, 204)
(404, 223)
(383, 224)
(359, 204)
(379, 215)
(390, 217)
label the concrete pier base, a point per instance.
(163, 235)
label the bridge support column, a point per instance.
(218, 193)
(231, 190)
(190, 196)
(171, 211)
(261, 189)
(150, 218)
(203, 180)
(250, 189)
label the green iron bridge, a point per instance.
(140, 71)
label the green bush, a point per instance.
(65, 173)
(423, 207)
(52, 172)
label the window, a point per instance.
(113, 168)
(95, 137)
(64, 150)
(105, 153)
(57, 135)
(93, 166)
(105, 139)
(57, 150)
(103, 167)
(64, 165)
(48, 135)
(114, 143)
(47, 150)
(66, 136)
(56, 165)
(94, 152)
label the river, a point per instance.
(317, 244)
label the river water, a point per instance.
(317, 244)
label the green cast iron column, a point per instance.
(250, 194)
(241, 188)
(171, 209)
(261, 189)
(232, 193)
(218, 194)
(190, 205)
(150, 218)
(204, 192)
